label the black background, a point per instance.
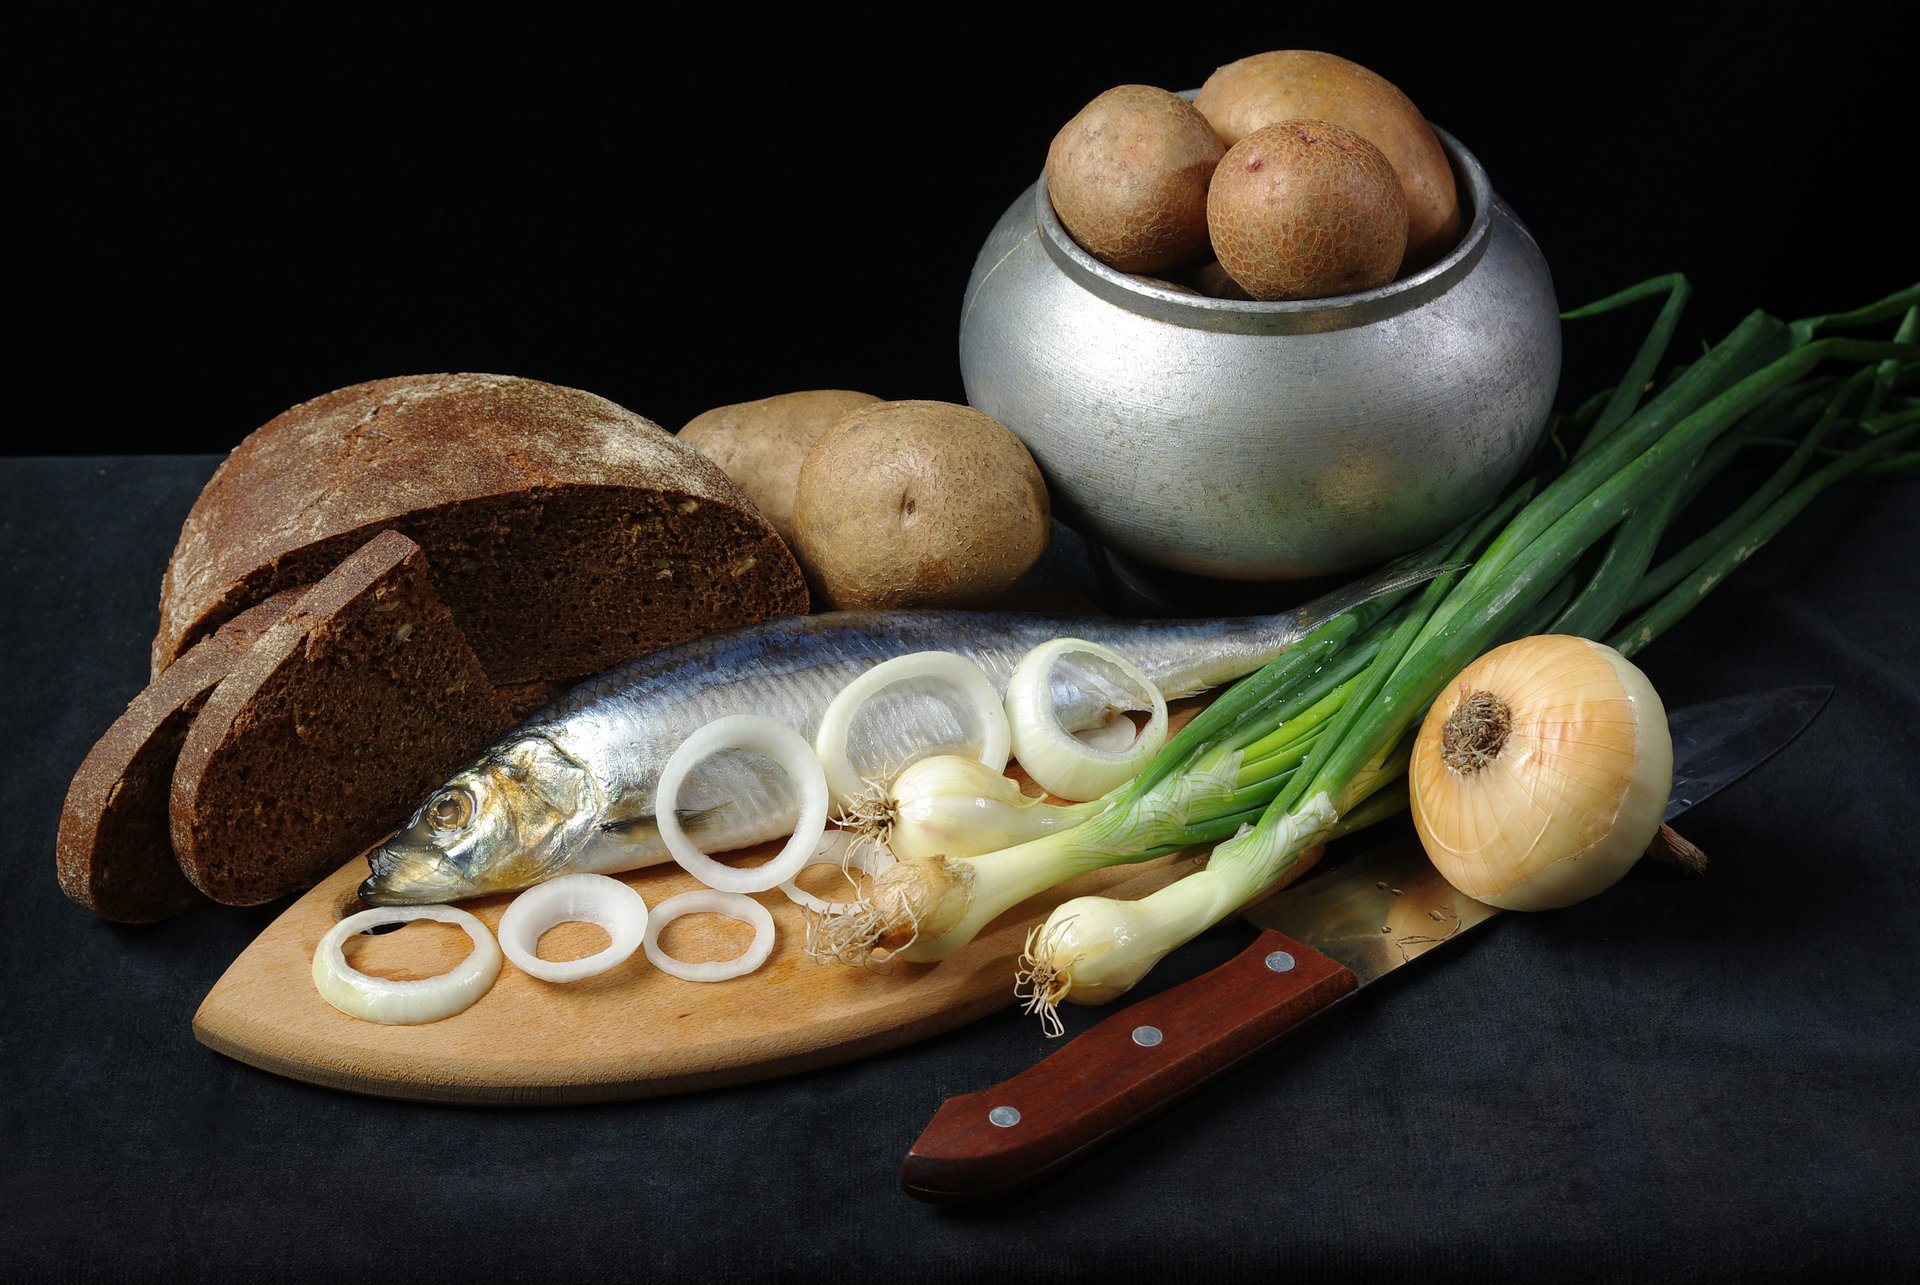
(219, 215)
(213, 217)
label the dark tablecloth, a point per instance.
(1717, 1078)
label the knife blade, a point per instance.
(1321, 942)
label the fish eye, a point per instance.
(451, 810)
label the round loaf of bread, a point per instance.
(566, 534)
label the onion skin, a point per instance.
(1574, 793)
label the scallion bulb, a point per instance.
(952, 806)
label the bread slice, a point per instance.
(329, 731)
(113, 853)
(566, 534)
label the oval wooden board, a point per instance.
(631, 1032)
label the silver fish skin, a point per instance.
(571, 788)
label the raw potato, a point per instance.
(1306, 210)
(918, 504)
(760, 444)
(1128, 177)
(1291, 84)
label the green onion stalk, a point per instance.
(1218, 773)
(1284, 759)
(1575, 558)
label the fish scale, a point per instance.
(789, 670)
(614, 733)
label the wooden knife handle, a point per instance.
(1122, 1072)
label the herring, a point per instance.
(571, 789)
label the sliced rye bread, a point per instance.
(114, 854)
(330, 730)
(566, 534)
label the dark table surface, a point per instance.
(1675, 1080)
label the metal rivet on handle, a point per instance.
(1005, 1117)
(1146, 1036)
(1280, 962)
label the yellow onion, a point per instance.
(1541, 775)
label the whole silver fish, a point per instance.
(571, 789)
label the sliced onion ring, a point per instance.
(1073, 767)
(397, 1003)
(573, 899)
(731, 904)
(785, 747)
(841, 848)
(956, 671)
(1116, 734)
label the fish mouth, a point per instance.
(403, 877)
(373, 892)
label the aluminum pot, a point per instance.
(1266, 441)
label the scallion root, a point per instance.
(849, 936)
(872, 813)
(1043, 979)
(911, 897)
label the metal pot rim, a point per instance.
(1299, 316)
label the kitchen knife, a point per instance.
(1322, 940)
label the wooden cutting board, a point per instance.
(631, 1032)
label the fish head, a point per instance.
(509, 821)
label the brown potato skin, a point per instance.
(760, 444)
(1128, 177)
(1304, 209)
(918, 504)
(1290, 84)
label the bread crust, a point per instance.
(114, 852)
(535, 503)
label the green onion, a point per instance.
(1216, 775)
(1626, 395)
(1307, 747)
(1736, 541)
(1623, 488)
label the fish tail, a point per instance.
(1252, 641)
(1403, 573)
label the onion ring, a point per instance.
(397, 1003)
(1063, 764)
(840, 848)
(785, 747)
(731, 904)
(844, 782)
(573, 899)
